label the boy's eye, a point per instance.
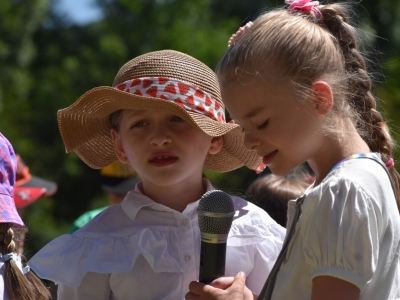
(177, 119)
(138, 124)
(263, 125)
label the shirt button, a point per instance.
(185, 222)
(187, 258)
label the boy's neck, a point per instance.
(177, 196)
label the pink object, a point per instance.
(390, 163)
(306, 6)
(239, 33)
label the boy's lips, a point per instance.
(269, 157)
(161, 159)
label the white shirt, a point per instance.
(144, 250)
(3, 290)
(349, 229)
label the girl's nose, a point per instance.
(160, 136)
(250, 142)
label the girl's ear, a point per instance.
(323, 97)
(216, 144)
(119, 149)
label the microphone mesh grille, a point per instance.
(215, 202)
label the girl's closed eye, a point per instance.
(263, 125)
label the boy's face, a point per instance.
(164, 149)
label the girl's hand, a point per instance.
(224, 288)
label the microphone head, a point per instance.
(215, 212)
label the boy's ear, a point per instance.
(119, 149)
(323, 97)
(216, 145)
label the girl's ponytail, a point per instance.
(18, 285)
(369, 122)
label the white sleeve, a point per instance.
(94, 286)
(342, 231)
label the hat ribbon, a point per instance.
(184, 94)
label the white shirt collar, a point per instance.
(135, 200)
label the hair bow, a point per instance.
(306, 6)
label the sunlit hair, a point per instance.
(272, 193)
(300, 50)
(18, 285)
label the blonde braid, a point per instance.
(17, 285)
(369, 121)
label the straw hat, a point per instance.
(163, 80)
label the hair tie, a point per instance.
(26, 269)
(8, 256)
(239, 33)
(390, 163)
(306, 6)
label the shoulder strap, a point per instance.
(268, 288)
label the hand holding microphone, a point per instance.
(216, 213)
(225, 288)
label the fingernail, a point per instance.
(242, 274)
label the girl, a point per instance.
(164, 117)
(17, 282)
(308, 98)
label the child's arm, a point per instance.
(224, 288)
(331, 288)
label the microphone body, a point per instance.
(215, 213)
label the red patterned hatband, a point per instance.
(189, 96)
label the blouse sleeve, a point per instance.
(94, 286)
(341, 230)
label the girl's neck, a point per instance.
(334, 150)
(177, 196)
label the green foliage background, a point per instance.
(47, 62)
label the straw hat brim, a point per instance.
(85, 129)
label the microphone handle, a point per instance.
(212, 261)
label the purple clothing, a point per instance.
(8, 167)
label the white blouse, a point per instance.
(349, 229)
(144, 250)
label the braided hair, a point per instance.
(18, 285)
(308, 48)
(370, 123)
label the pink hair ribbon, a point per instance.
(238, 33)
(390, 163)
(306, 6)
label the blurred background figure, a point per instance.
(16, 280)
(30, 188)
(117, 180)
(272, 193)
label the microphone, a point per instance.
(215, 215)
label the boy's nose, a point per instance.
(250, 142)
(160, 136)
